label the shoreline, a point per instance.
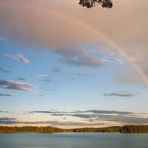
(141, 129)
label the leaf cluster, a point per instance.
(92, 3)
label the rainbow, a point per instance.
(97, 32)
(114, 45)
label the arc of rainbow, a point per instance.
(120, 50)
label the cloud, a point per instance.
(115, 116)
(75, 113)
(43, 75)
(80, 74)
(56, 70)
(46, 80)
(127, 119)
(49, 36)
(6, 120)
(84, 118)
(78, 57)
(21, 78)
(16, 85)
(46, 112)
(19, 57)
(4, 69)
(65, 24)
(5, 95)
(112, 58)
(66, 34)
(82, 61)
(97, 116)
(109, 112)
(119, 94)
(5, 112)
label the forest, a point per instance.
(50, 129)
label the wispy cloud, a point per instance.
(21, 78)
(16, 85)
(82, 112)
(83, 118)
(5, 69)
(82, 61)
(79, 57)
(43, 75)
(122, 117)
(119, 94)
(46, 80)
(6, 120)
(107, 112)
(6, 95)
(82, 74)
(18, 57)
(112, 58)
(56, 70)
(5, 111)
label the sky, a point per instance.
(68, 66)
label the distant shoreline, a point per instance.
(49, 129)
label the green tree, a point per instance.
(91, 3)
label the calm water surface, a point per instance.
(73, 140)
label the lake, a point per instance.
(73, 140)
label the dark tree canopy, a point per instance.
(91, 3)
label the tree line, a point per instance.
(50, 129)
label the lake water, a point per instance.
(73, 140)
